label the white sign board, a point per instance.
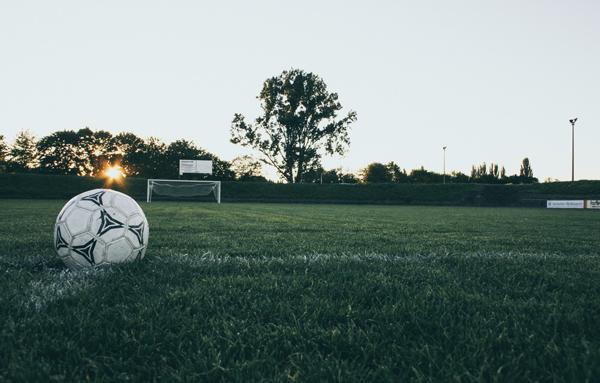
(195, 166)
(565, 204)
(592, 204)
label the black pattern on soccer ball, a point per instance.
(138, 230)
(95, 198)
(60, 241)
(86, 250)
(108, 223)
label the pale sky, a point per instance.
(494, 81)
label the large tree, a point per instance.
(299, 121)
(58, 153)
(22, 154)
(99, 148)
(398, 175)
(151, 159)
(83, 152)
(129, 153)
(376, 173)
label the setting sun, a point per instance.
(114, 172)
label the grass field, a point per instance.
(266, 292)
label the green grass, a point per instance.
(260, 292)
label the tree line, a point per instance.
(391, 172)
(88, 153)
(300, 123)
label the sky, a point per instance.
(493, 81)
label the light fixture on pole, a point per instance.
(573, 121)
(444, 180)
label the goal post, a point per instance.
(183, 188)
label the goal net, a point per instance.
(180, 188)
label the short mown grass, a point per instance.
(264, 292)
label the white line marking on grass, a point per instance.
(54, 286)
(316, 257)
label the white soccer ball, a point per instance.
(100, 227)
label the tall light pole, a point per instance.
(573, 121)
(444, 181)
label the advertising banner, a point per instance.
(565, 204)
(592, 204)
(195, 166)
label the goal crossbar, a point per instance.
(183, 188)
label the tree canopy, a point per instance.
(247, 168)
(84, 152)
(91, 153)
(22, 155)
(526, 170)
(376, 173)
(298, 123)
(88, 153)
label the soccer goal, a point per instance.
(181, 188)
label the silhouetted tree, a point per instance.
(83, 153)
(478, 173)
(129, 153)
(100, 149)
(422, 176)
(348, 178)
(58, 154)
(247, 169)
(494, 171)
(22, 154)
(151, 159)
(458, 178)
(398, 175)
(491, 175)
(497, 175)
(330, 177)
(376, 173)
(298, 123)
(526, 172)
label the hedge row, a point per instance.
(38, 186)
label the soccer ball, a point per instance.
(100, 227)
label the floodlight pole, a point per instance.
(573, 121)
(444, 179)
